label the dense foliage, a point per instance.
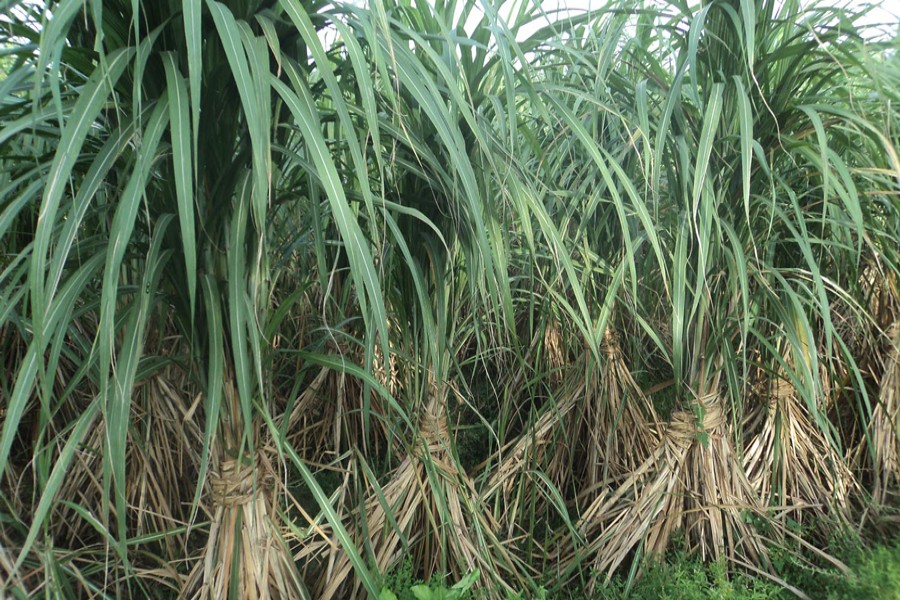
(294, 295)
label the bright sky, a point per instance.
(884, 14)
(886, 9)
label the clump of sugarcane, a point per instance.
(600, 429)
(245, 545)
(428, 511)
(692, 482)
(620, 423)
(883, 433)
(787, 457)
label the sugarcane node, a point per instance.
(682, 430)
(782, 390)
(434, 431)
(893, 332)
(236, 484)
(610, 344)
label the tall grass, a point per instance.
(293, 294)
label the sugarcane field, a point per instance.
(449, 299)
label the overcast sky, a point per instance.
(883, 13)
(886, 9)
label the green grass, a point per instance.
(402, 584)
(689, 579)
(874, 573)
